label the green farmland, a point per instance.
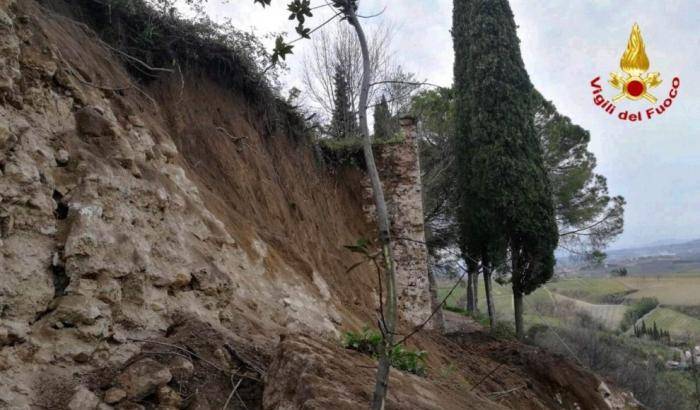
(604, 299)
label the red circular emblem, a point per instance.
(635, 88)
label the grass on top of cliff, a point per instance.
(157, 41)
(355, 144)
(348, 151)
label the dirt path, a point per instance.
(455, 322)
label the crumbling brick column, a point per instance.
(399, 169)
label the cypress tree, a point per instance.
(383, 121)
(505, 200)
(344, 121)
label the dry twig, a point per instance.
(235, 388)
(483, 379)
(506, 392)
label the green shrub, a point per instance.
(368, 341)
(504, 330)
(412, 361)
(637, 311)
(456, 309)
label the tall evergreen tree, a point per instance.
(505, 199)
(384, 126)
(344, 121)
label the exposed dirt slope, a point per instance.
(120, 215)
(157, 242)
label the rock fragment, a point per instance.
(83, 399)
(114, 395)
(168, 398)
(90, 122)
(62, 157)
(143, 378)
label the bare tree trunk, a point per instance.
(518, 304)
(382, 378)
(517, 297)
(475, 286)
(489, 296)
(438, 319)
(471, 271)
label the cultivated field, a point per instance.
(605, 299)
(681, 290)
(593, 290)
(670, 291)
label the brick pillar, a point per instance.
(399, 169)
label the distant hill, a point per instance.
(650, 260)
(677, 249)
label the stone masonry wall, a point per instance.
(399, 168)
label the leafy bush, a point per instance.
(412, 361)
(637, 311)
(368, 341)
(456, 309)
(621, 272)
(504, 330)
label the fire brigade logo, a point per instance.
(635, 63)
(635, 84)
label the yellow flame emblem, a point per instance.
(635, 63)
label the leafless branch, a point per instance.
(483, 379)
(382, 328)
(417, 83)
(339, 47)
(506, 392)
(234, 139)
(134, 59)
(321, 6)
(577, 231)
(193, 354)
(102, 87)
(92, 32)
(78, 77)
(235, 388)
(373, 15)
(434, 312)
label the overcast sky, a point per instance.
(654, 164)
